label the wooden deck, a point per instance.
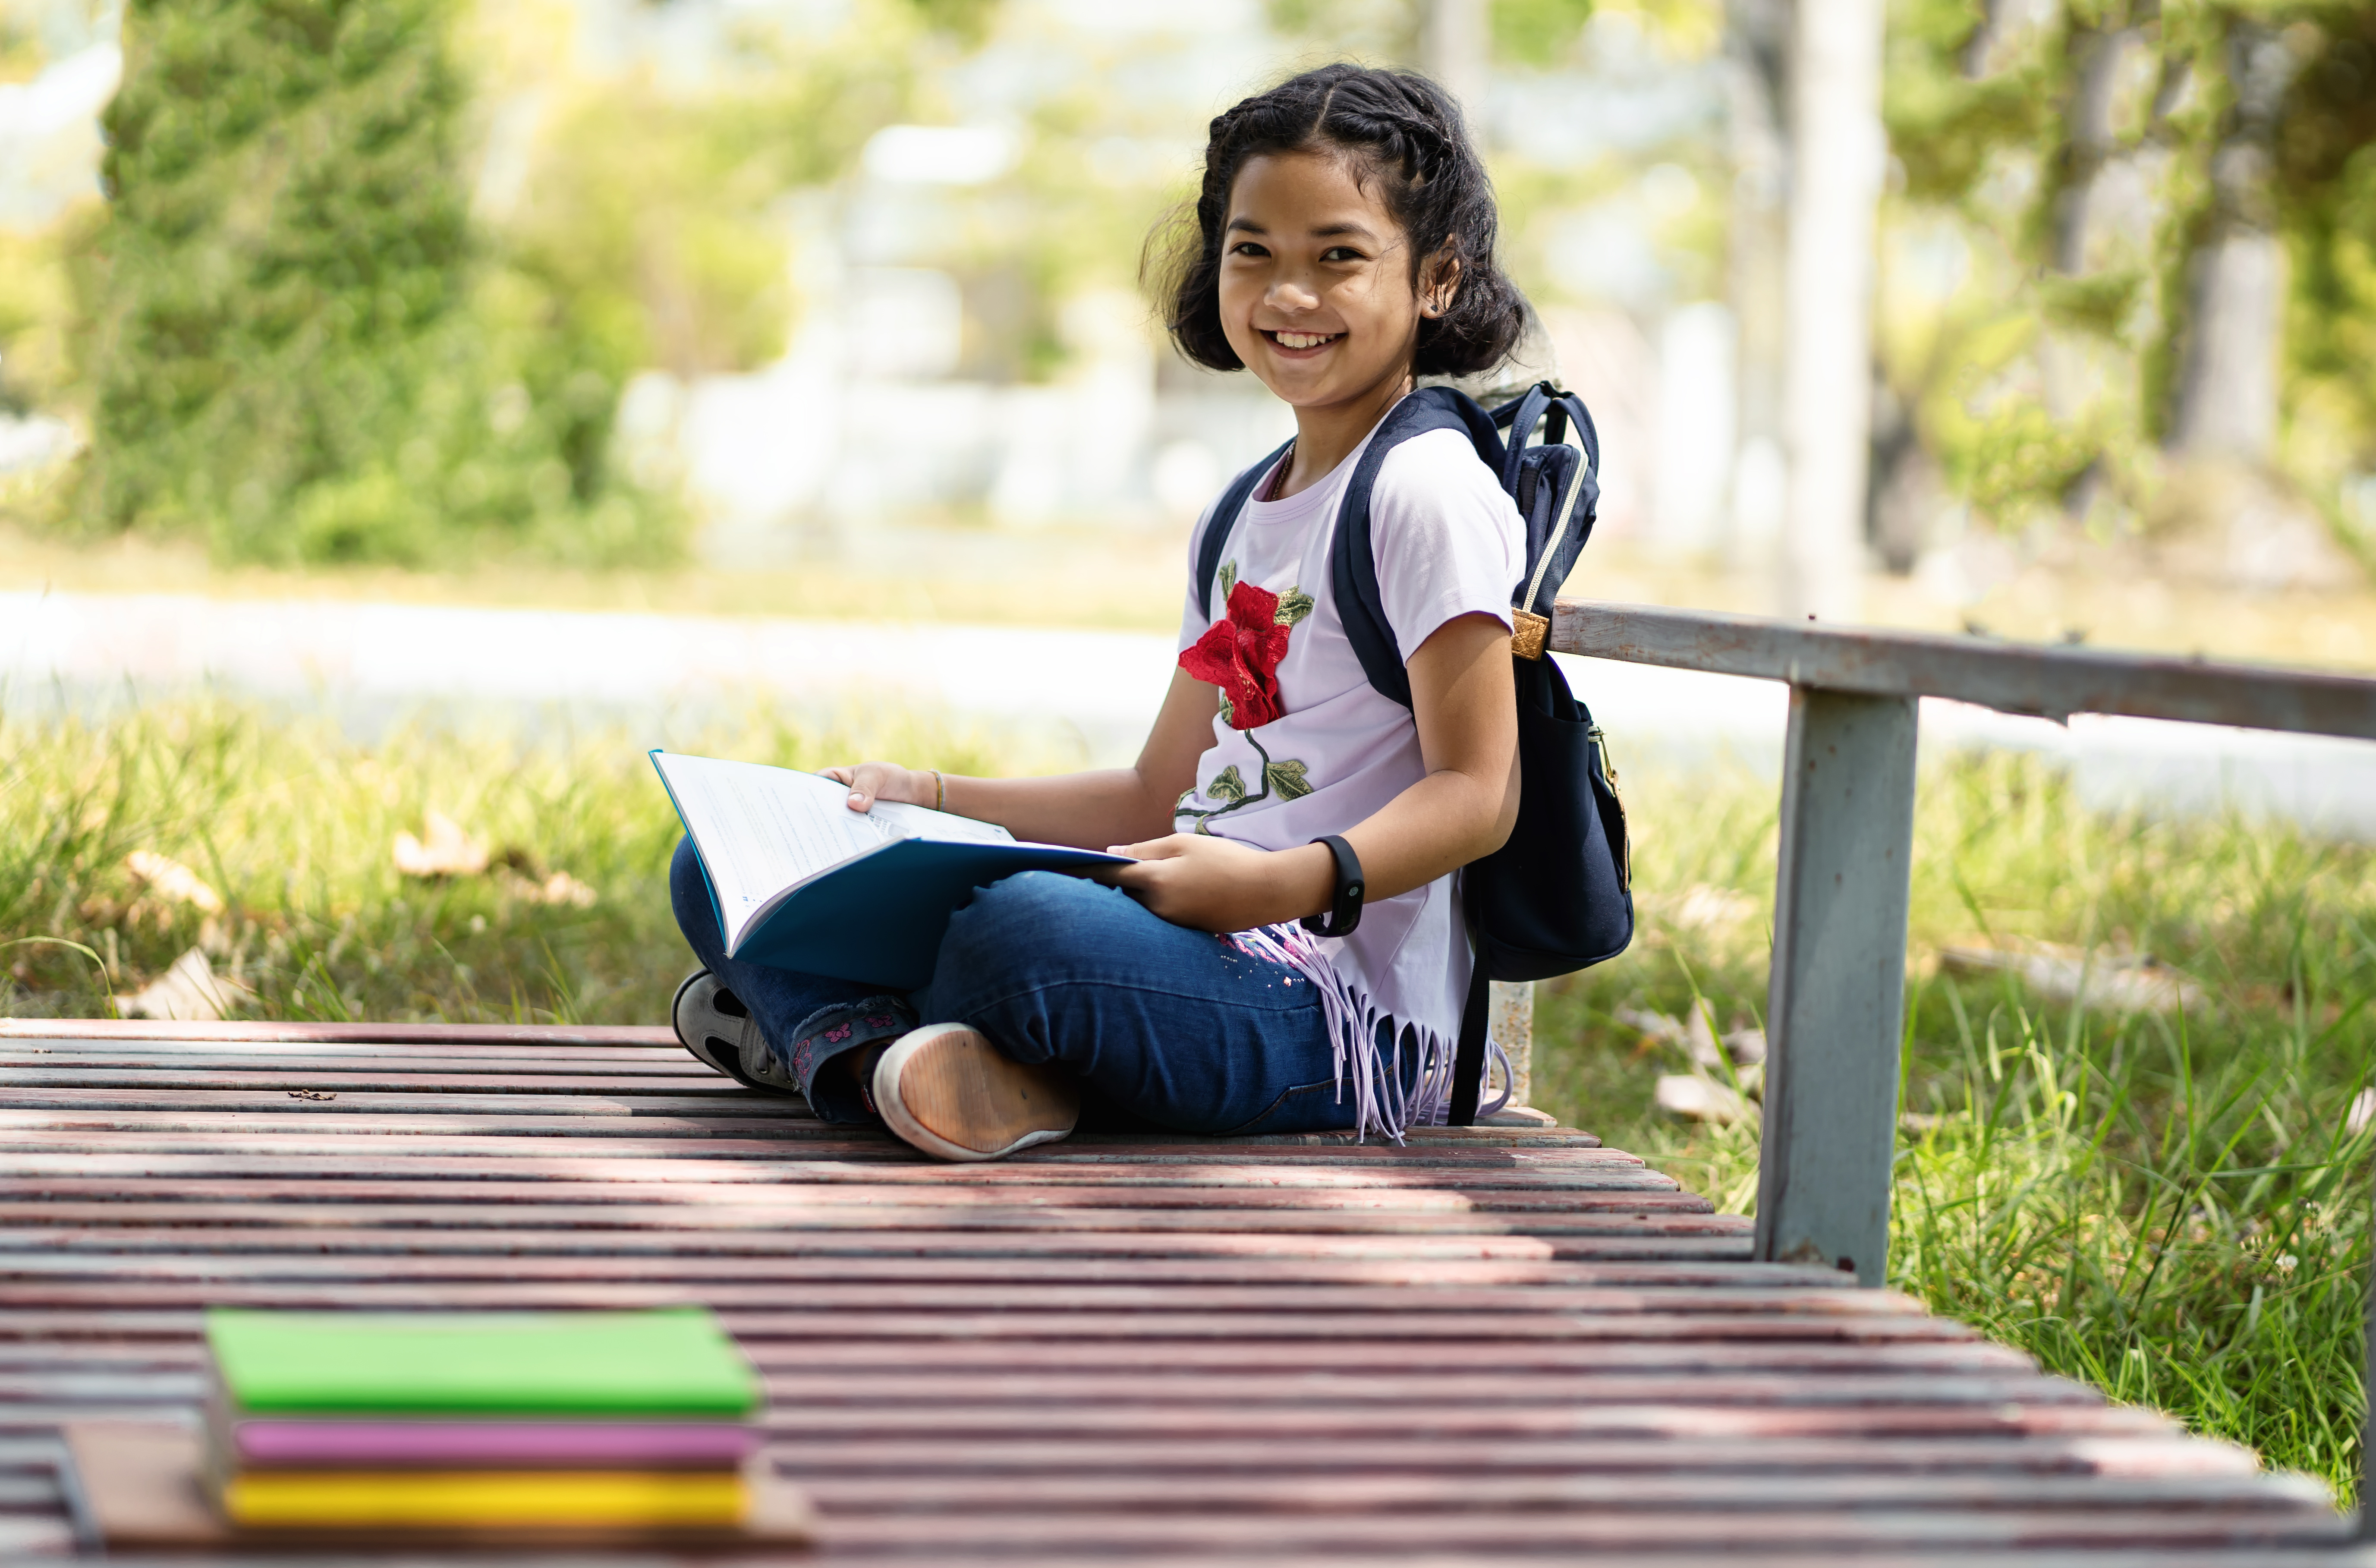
(1496, 1344)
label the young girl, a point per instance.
(1344, 245)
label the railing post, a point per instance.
(2366, 1530)
(1513, 1029)
(1837, 1004)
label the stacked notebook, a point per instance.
(620, 1425)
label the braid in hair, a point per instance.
(1404, 131)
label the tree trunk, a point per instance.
(1757, 38)
(1836, 158)
(1454, 43)
(1979, 49)
(2227, 395)
(2087, 137)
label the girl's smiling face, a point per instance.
(1316, 294)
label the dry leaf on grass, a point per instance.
(169, 881)
(1695, 1098)
(443, 849)
(2363, 1112)
(2118, 982)
(189, 990)
(1744, 1045)
(559, 888)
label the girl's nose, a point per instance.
(1290, 295)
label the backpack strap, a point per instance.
(1553, 557)
(1218, 526)
(1468, 1054)
(1353, 564)
(1519, 417)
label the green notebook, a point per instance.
(675, 1362)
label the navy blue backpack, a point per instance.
(1558, 896)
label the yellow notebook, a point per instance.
(485, 1500)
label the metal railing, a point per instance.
(1835, 1008)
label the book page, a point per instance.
(763, 829)
(903, 821)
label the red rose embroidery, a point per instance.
(1241, 655)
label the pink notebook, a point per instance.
(271, 1442)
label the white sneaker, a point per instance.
(948, 1091)
(712, 1024)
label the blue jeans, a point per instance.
(1161, 1026)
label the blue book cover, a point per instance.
(801, 881)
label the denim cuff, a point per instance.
(830, 1031)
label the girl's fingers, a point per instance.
(1165, 848)
(868, 781)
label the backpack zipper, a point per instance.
(1622, 849)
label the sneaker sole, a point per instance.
(730, 1063)
(947, 1091)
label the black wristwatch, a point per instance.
(1344, 904)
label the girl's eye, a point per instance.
(1247, 247)
(1341, 252)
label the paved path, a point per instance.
(1092, 692)
(1496, 1344)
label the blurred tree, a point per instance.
(1537, 32)
(301, 341)
(1836, 185)
(1452, 40)
(2325, 185)
(290, 231)
(2226, 402)
(2154, 191)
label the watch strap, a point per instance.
(1345, 901)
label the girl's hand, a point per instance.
(873, 782)
(1217, 885)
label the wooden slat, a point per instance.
(1293, 1358)
(1485, 1343)
(1049, 1319)
(300, 1032)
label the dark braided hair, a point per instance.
(1404, 131)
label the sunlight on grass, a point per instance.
(2165, 1205)
(293, 825)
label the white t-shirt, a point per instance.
(1447, 541)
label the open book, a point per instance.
(801, 881)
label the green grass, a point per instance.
(2164, 1205)
(293, 825)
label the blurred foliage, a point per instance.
(2036, 375)
(296, 345)
(36, 311)
(351, 301)
(1538, 34)
(2326, 172)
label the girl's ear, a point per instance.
(1439, 283)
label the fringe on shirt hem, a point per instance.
(1380, 1102)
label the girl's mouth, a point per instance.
(1300, 342)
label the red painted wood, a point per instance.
(1485, 1343)
(485, 1034)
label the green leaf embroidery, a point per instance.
(1289, 780)
(1230, 786)
(1293, 606)
(1228, 707)
(1228, 579)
